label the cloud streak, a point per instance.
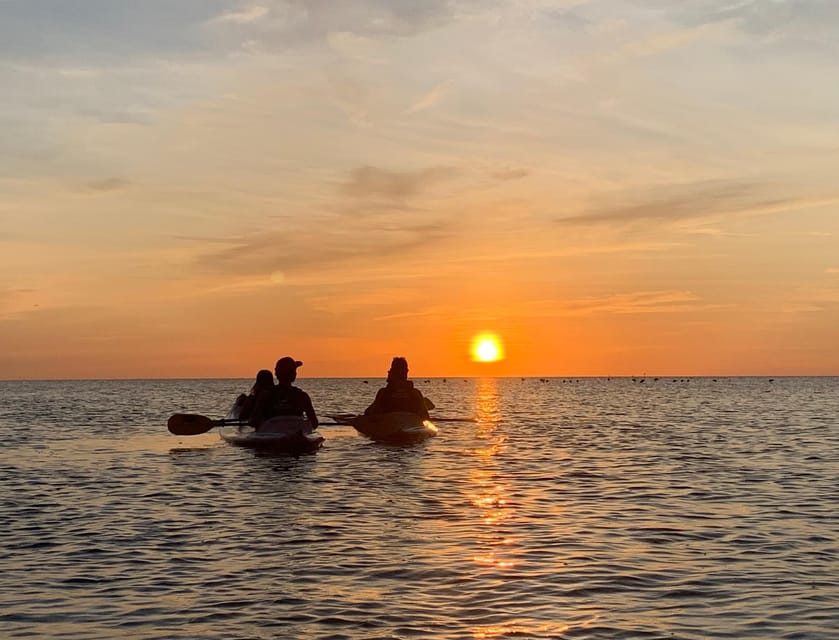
(810, 21)
(305, 250)
(102, 29)
(243, 15)
(629, 303)
(369, 182)
(428, 100)
(695, 201)
(107, 185)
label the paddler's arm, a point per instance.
(309, 410)
(376, 406)
(420, 407)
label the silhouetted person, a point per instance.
(284, 399)
(245, 404)
(399, 394)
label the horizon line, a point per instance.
(455, 377)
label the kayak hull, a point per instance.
(295, 443)
(397, 426)
(289, 434)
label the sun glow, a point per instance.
(487, 348)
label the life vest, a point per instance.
(402, 397)
(286, 401)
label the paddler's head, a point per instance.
(264, 380)
(286, 370)
(398, 370)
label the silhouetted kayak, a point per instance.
(291, 434)
(399, 426)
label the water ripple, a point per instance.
(582, 509)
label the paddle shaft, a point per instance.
(191, 424)
(340, 420)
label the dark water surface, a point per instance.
(593, 508)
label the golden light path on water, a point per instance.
(490, 495)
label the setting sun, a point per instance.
(487, 348)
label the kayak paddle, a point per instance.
(343, 418)
(192, 424)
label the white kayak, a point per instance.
(292, 434)
(398, 426)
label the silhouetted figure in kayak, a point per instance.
(399, 394)
(284, 399)
(245, 404)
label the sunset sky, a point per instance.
(195, 188)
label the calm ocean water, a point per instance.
(594, 508)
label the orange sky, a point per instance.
(613, 188)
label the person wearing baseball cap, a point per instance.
(284, 399)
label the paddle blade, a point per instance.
(189, 424)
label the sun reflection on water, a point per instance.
(489, 491)
(498, 631)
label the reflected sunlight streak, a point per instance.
(482, 633)
(489, 495)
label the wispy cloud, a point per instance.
(661, 42)
(106, 185)
(351, 97)
(699, 200)
(382, 296)
(244, 14)
(670, 204)
(373, 182)
(429, 99)
(15, 300)
(274, 25)
(353, 46)
(640, 302)
(810, 300)
(810, 20)
(7, 292)
(511, 173)
(668, 301)
(102, 29)
(305, 250)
